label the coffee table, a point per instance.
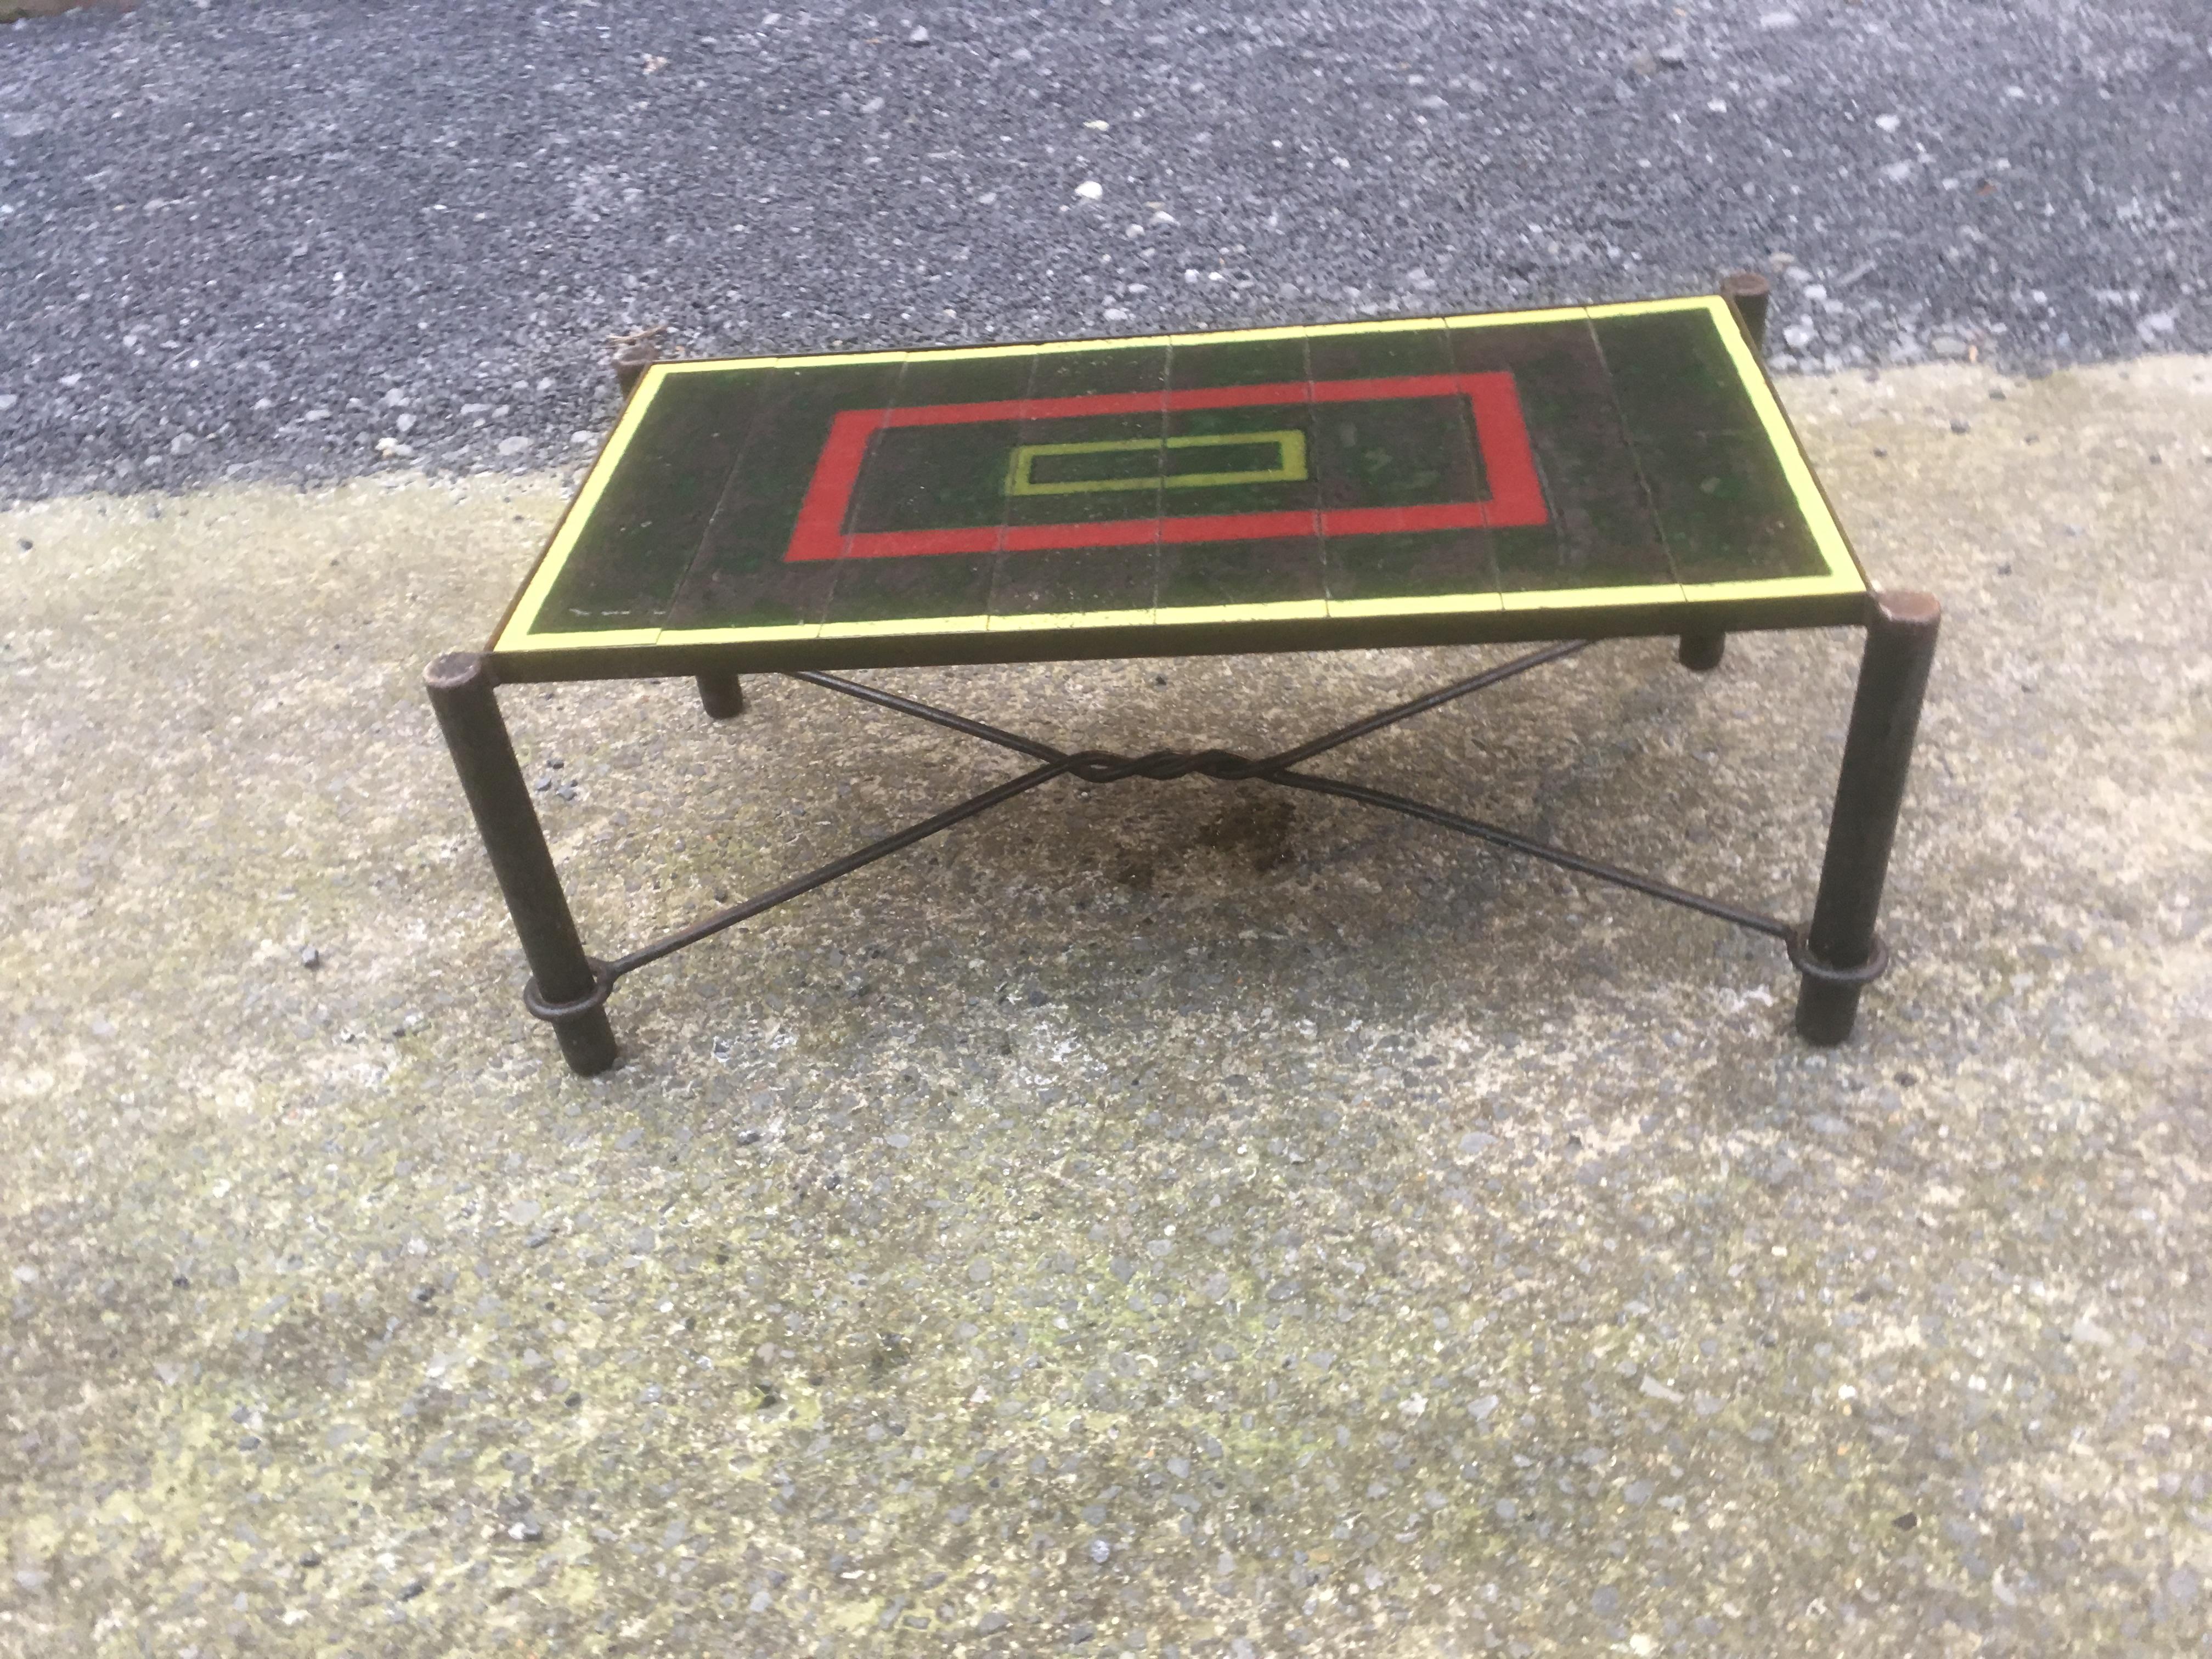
(1550, 477)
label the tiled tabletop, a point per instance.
(1516, 476)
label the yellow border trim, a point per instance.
(737, 635)
(1030, 622)
(610, 637)
(1712, 302)
(1589, 598)
(1380, 325)
(1104, 342)
(945, 354)
(1434, 605)
(1779, 588)
(1517, 319)
(1281, 611)
(1237, 336)
(920, 627)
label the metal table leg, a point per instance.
(1839, 954)
(721, 695)
(1701, 653)
(567, 987)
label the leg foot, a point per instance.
(1701, 653)
(460, 688)
(1900, 645)
(721, 695)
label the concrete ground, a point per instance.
(1164, 1219)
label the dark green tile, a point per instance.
(933, 477)
(920, 587)
(1724, 503)
(1195, 362)
(652, 518)
(1420, 564)
(1670, 369)
(949, 378)
(1073, 581)
(1725, 508)
(1107, 370)
(1601, 532)
(1274, 571)
(770, 595)
(739, 578)
(1379, 354)
(1395, 452)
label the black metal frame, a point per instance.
(1837, 955)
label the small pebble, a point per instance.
(1100, 1550)
(1906, 1521)
(310, 957)
(1961, 426)
(920, 37)
(411, 1589)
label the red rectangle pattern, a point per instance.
(1501, 435)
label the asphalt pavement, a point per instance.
(311, 241)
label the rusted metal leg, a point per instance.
(1700, 653)
(1747, 293)
(633, 354)
(1839, 954)
(721, 695)
(567, 987)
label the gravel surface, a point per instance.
(309, 240)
